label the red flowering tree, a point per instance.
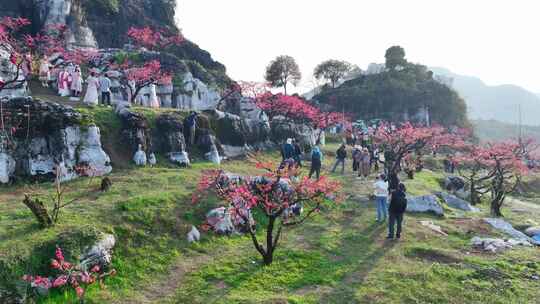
(22, 47)
(325, 120)
(141, 72)
(138, 77)
(273, 195)
(291, 109)
(408, 139)
(472, 166)
(152, 39)
(495, 167)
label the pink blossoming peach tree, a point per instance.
(272, 196)
(139, 73)
(496, 168)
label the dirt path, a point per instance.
(163, 289)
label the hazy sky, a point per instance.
(495, 40)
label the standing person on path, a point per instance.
(341, 155)
(365, 163)
(76, 82)
(398, 205)
(44, 72)
(316, 162)
(357, 151)
(105, 89)
(393, 181)
(91, 97)
(381, 197)
(297, 153)
(153, 100)
(190, 126)
(287, 151)
(63, 82)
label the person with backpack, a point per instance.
(316, 162)
(381, 197)
(297, 153)
(287, 150)
(341, 155)
(398, 205)
(357, 150)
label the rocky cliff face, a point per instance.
(39, 137)
(104, 24)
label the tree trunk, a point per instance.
(40, 212)
(269, 256)
(496, 209)
(496, 203)
(474, 195)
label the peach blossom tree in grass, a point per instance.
(273, 195)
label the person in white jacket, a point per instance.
(381, 197)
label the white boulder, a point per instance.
(140, 157)
(100, 253)
(213, 156)
(426, 203)
(194, 235)
(7, 167)
(198, 95)
(495, 245)
(532, 231)
(92, 153)
(507, 228)
(456, 202)
(180, 158)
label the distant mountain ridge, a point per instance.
(492, 130)
(500, 102)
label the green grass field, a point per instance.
(341, 256)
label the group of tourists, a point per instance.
(364, 159)
(67, 78)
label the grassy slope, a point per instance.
(340, 257)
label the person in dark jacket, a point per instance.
(357, 150)
(341, 155)
(297, 153)
(287, 151)
(190, 127)
(398, 205)
(393, 182)
(316, 162)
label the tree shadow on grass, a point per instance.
(366, 258)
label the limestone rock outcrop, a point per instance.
(456, 202)
(195, 95)
(169, 136)
(238, 135)
(426, 203)
(40, 137)
(8, 72)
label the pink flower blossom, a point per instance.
(55, 264)
(60, 281)
(95, 269)
(59, 255)
(79, 291)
